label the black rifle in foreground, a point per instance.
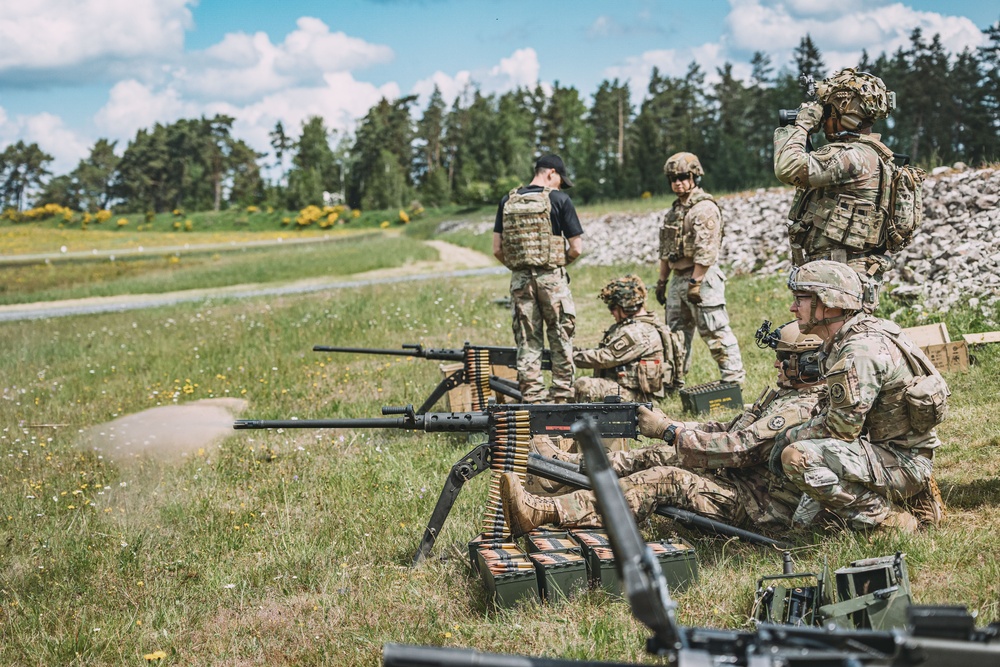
(613, 419)
(938, 636)
(478, 361)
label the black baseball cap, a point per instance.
(551, 161)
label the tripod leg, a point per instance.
(468, 467)
(444, 386)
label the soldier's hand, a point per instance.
(694, 292)
(661, 292)
(651, 424)
(810, 117)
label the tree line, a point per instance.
(475, 149)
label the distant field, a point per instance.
(291, 548)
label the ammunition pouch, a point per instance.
(926, 402)
(845, 220)
(650, 377)
(671, 241)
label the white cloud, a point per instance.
(87, 39)
(66, 146)
(777, 27)
(133, 105)
(520, 70)
(673, 62)
(604, 26)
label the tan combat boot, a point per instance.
(928, 505)
(523, 511)
(900, 520)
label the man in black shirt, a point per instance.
(537, 233)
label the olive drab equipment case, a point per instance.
(527, 240)
(871, 594)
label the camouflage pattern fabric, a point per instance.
(696, 229)
(541, 298)
(710, 318)
(629, 292)
(861, 445)
(647, 489)
(629, 357)
(742, 490)
(839, 176)
(854, 480)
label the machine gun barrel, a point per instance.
(409, 350)
(404, 655)
(432, 422)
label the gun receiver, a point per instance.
(498, 354)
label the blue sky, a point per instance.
(72, 71)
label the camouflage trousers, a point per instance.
(710, 318)
(541, 298)
(593, 390)
(857, 481)
(623, 461)
(646, 490)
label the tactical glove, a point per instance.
(810, 117)
(661, 292)
(651, 424)
(694, 292)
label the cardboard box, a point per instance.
(936, 343)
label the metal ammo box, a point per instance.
(560, 574)
(510, 580)
(678, 562)
(480, 542)
(873, 594)
(712, 397)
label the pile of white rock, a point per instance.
(954, 257)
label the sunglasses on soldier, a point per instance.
(679, 177)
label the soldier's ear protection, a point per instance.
(802, 367)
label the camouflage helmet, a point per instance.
(629, 292)
(836, 285)
(797, 352)
(860, 98)
(683, 163)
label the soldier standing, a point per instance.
(734, 484)
(869, 454)
(841, 200)
(635, 359)
(536, 234)
(690, 239)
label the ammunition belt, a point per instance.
(508, 453)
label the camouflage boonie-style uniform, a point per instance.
(739, 489)
(863, 450)
(691, 234)
(629, 362)
(838, 212)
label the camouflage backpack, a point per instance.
(900, 198)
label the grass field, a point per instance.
(292, 547)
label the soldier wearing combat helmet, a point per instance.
(733, 483)
(636, 359)
(841, 202)
(868, 456)
(690, 240)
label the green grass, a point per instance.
(291, 547)
(172, 272)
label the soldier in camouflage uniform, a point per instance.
(690, 239)
(635, 359)
(536, 234)
(840, 205)
(869, 454)
(734, 483)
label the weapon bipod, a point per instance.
(500, 385)
(478, 460)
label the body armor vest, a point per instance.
(527, 240)
(648, 374)
(848, 217)
(911, 403)
(676, 237)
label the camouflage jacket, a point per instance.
(743, 453)
(691, 233)
(631, 354)
(866, 372)
(837, 203)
